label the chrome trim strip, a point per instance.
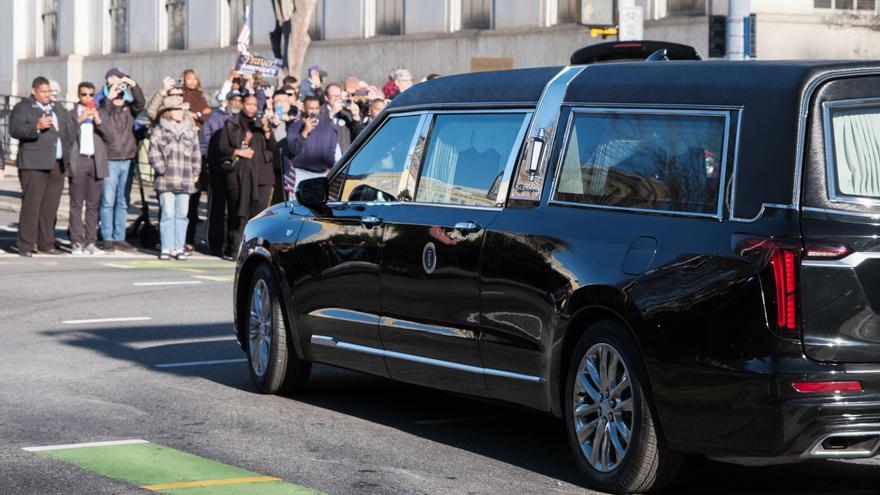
(764, 206)
(843, 454)
(529, 186)
(851, 261)
(719, 211)
(510, 167)
(342, 314)
(830, 168)
(829, 211)
(398, 324)
(324, 340)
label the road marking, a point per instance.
(117, 265)
(231, 481)
(201, 363)
(162, 469)
(216, 278)
(194, 340)
(106, 320)
(170, 282)
(84, 445)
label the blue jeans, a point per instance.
(173, 222)
(114, 210)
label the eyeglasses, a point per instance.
(87, 94)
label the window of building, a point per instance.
(176, 10)
(686, 7)
(864, 5)
(476, 14)
(375, 171)
(50, 27)
(236, 19)
(316, 26)
(119, 26)
(649, 161)
(389, 16)
(466, 156)
(567, 11)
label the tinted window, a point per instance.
(666, 162)
(856, 151)
(374, 172)
(466, 156)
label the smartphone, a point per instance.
(178, 83)
(90, 104)
(279, 112)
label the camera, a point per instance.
(178, 83)
(347, 102)
(258, 120)
(47, 112)
(123, 87)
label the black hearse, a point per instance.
(673, 257)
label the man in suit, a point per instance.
(39, 125)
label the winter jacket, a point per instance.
(317, 153)
(174, 155)
(121, 122)
(213, 125)
(197, 105)
(102, 138)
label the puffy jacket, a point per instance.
(121, 123)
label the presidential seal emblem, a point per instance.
(429, 258)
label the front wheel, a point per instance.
(274, 366)
(610, 426)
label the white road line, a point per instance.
(194, 340)
(174, 282)
(106, 320)
(116, 265)
(214, 278)
(84, 445)
(201, 363)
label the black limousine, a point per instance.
(673, 257)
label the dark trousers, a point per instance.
(219, 206)
(85, 187)
(235, 224)
(40, 195)
(193, 216)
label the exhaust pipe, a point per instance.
(846, 445)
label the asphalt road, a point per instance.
(65, 381)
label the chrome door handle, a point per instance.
(371, 221)
(467, 227)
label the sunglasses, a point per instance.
(87, 94)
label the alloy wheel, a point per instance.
(603, 407)
(260, 327)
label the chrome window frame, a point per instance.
(423, 130)
(647, 110)
(830, 162)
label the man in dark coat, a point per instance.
(86, 141)
(39, 125)
(312, 144)
(218, 201)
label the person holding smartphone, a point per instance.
(87, 144)
(312, 143)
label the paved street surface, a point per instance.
(66, 378)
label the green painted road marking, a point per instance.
(176, 265)
(166, 470)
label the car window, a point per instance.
(466, 156)
(373, 174)
(856, 151)
(650, 161)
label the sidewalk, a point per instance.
(10, 201)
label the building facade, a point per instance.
(75, 40)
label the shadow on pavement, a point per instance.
(527, 439)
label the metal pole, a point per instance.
(737, 10)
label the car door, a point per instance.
(430, 323)
(335, 263)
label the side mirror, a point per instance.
(313, 193)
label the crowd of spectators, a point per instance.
(249, 151)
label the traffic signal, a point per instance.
(717, 36)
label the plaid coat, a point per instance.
(175, 156)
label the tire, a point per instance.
(273, 363)
(642, 464)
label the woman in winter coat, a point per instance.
(192, 94)
(174, 156)
(246, 143)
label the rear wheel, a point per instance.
(274, 365)
(610, 426)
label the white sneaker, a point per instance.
(93, 250)
(76, 250)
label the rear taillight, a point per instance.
(826, 387)
(784, 263)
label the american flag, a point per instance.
(288, 177)
(244, 35)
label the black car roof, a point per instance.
(769, 93)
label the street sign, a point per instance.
(750, 39)
(632, 23)
(597, 12)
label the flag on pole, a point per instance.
(244, 35)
